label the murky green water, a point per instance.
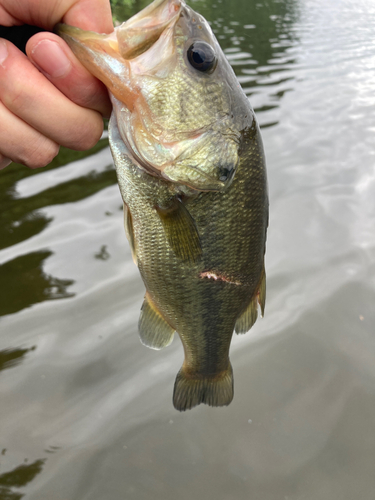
(85, 409)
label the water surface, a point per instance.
(86, 410)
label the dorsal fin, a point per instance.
(181, 231)
(154, 331)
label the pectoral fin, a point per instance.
(181, 231)
(128, 223)
(154, 331)
(249, 316)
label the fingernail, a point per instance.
(3, 51)
(4, 162)
(51, 59)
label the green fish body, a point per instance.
(191, 171)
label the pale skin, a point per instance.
(47, 98)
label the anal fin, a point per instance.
(250, 315)
(181, 231)
(154, 331)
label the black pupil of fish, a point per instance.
(201, 56)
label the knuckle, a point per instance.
(41, 154)
(15, 98)
(12, 98)
(89, 97)
(87, 92)
(88, 136)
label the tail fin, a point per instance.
(190, 391)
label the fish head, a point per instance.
(179, 107)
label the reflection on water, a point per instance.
(18, 478)
(11, 357)
(21, 219)
(102, 254)
(257, 46)
(76, 385)
(28, 283)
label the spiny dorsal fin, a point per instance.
(154, 331)
(190, 390)
(128, 222)
(180, 230)
(249, 316)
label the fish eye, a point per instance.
(202, 56)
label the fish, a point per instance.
(191, 170)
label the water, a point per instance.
(86, 410)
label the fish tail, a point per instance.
(193, 389)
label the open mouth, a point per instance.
(108, 56)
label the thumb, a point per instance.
(52, 56)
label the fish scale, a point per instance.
(191, 170)
(230, 243)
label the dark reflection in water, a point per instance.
(103, 253)
(21, 219)
(11, 357)
(27, 284)
(17, 478)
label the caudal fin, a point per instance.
(190, 390)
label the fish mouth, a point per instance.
(145, 45)
(108, 57)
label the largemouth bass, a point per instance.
(191, 170)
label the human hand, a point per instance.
(49, 99)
